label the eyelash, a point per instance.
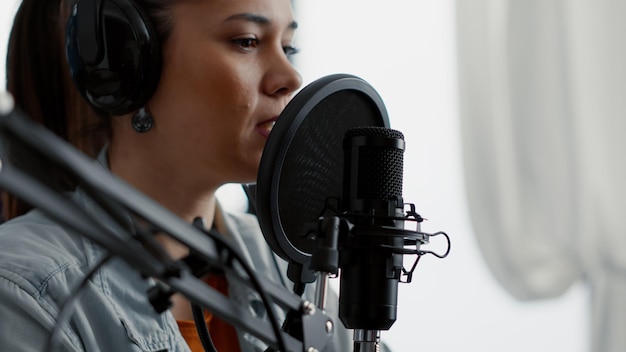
(250, 43)
(290, 50)
(246, 43)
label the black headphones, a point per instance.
(114, 54)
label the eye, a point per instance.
(247, 43)
(290, 50)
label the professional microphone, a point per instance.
(372, 202)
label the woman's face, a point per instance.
(226, 77)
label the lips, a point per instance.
(266, 126)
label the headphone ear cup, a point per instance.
(124, 73)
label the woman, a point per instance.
(224, 78)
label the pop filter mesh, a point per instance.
(312, 171)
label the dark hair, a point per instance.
(38, 78)
(38, 75)
(160, 17)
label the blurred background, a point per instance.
(513, 118)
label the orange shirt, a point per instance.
(223, 334)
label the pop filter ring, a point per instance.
(282, 140)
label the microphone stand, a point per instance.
(333, 229)
(117, 197)
(325, 260)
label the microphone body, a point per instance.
(372, 202)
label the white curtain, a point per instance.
(543, 116)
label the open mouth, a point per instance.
(266, 127)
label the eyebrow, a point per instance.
(257, 19)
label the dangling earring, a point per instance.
(142, 121)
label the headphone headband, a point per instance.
(89, 29)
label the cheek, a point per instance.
(225, 92)
(208, 106)
(207, 99)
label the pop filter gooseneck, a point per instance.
(302, 163)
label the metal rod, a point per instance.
(366, 340)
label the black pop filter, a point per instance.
(302, 163)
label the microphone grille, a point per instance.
(374, 131)
(380, 162)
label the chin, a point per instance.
(241, 169)
(247, 174)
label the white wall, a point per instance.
(405, 49)
(7, 11)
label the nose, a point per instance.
(282, 78)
